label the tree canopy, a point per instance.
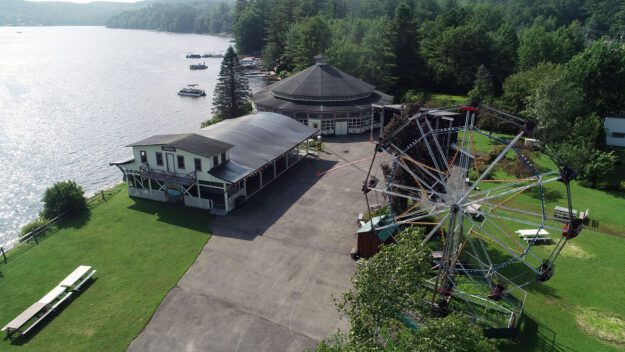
(387, 292)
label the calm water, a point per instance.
(71, 98)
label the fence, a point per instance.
(33, 238)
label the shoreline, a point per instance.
(14, 239)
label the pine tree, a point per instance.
(484, 88)
(232, 92)
(406, 39)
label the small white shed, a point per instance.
(614, 131)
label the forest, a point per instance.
(31, 13)
(211, 17)
(559, 63)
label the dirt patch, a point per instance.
(602, 325)
(574, 251)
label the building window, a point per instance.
(618, 135)
(181, 162)
(215, 161)
(223, 157)
(144, 156)
(159, 159)
(198, 164)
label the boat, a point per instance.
(212, 55)
(190, 91)
(193, 56)
(198, 66)
(250, 62)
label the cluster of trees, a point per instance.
(198, 17)
(386, 288)
(568, 101)
(555, 62)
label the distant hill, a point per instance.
(209, 16)
(31, 13)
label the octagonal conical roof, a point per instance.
(321, 82)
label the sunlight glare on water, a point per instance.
(71, 98)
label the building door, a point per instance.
(170, 162)
(341, 127)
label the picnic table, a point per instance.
(532, 232)
(39, 310)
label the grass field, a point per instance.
(581, 308)
(140, 249)
(447, 99)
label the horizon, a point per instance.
(85, 1)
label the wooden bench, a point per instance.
(34, 314)
(562, 213)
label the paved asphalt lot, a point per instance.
(265, 280)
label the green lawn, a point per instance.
(590, 280)
(140, 249)
(589, 272)
(447, 99)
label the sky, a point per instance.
(86, 1)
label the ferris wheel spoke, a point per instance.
(479, 251)
(494, 238)
(512, 238)
(429, 148)
(437, 144)
(435, 229)
(488, 196)
(422, 167)
(492, 165)
(542, 178)
(524, 222)
(414, 198)
(417, 178)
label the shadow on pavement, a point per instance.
(268, 205)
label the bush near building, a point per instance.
(63, 197)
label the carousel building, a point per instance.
(324, 98)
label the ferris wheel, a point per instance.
(482, 200)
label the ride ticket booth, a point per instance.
(369, 238)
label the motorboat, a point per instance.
(193, 56)
(191, 91)
(198, 67)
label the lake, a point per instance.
(71, 98)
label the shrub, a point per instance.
(63, 197)
(33, 225)
(215, 119)
(621, 186)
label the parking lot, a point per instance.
(265, 280)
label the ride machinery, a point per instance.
(481, 198)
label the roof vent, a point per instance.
(320, 59)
